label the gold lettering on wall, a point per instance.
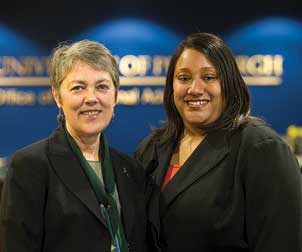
(129, 66)
(128, 97)
(160, 65)
(153, 97)
(138, 70)
(261, 69)
(15, 97)
(45, 98)
(23, 66)
(278, 65)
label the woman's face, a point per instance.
(196, 89)
(87, 97)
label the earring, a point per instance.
(60, 116)
(113, 116)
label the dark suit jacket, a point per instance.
(239, 191)
(48, 204)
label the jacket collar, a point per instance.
(68, 168)
(126, 192)
(205, 157)
(160, 156)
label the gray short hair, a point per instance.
(92, 53)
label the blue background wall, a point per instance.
(152, 28)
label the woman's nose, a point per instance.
(91, 96)
(196, 88)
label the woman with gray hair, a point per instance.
(71, 191)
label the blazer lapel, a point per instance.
(68, 168)
(125, 191)
(164, 155)
(160, 159)
(204, 158)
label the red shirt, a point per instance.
(172, 170)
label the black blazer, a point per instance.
(238, 191)
(48, 204)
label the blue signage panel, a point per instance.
(268, 53)
(269, 56)
(26, 110)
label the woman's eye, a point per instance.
(77, 88)
(183, 78)
(103, 87)
(210, 77)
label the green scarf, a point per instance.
(104, 194)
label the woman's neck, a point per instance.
(90, 149)
(194, 133)
(187, 144)
(89, 146)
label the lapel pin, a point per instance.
(125, 171)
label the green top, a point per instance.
(104, 191)
(96, 166)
